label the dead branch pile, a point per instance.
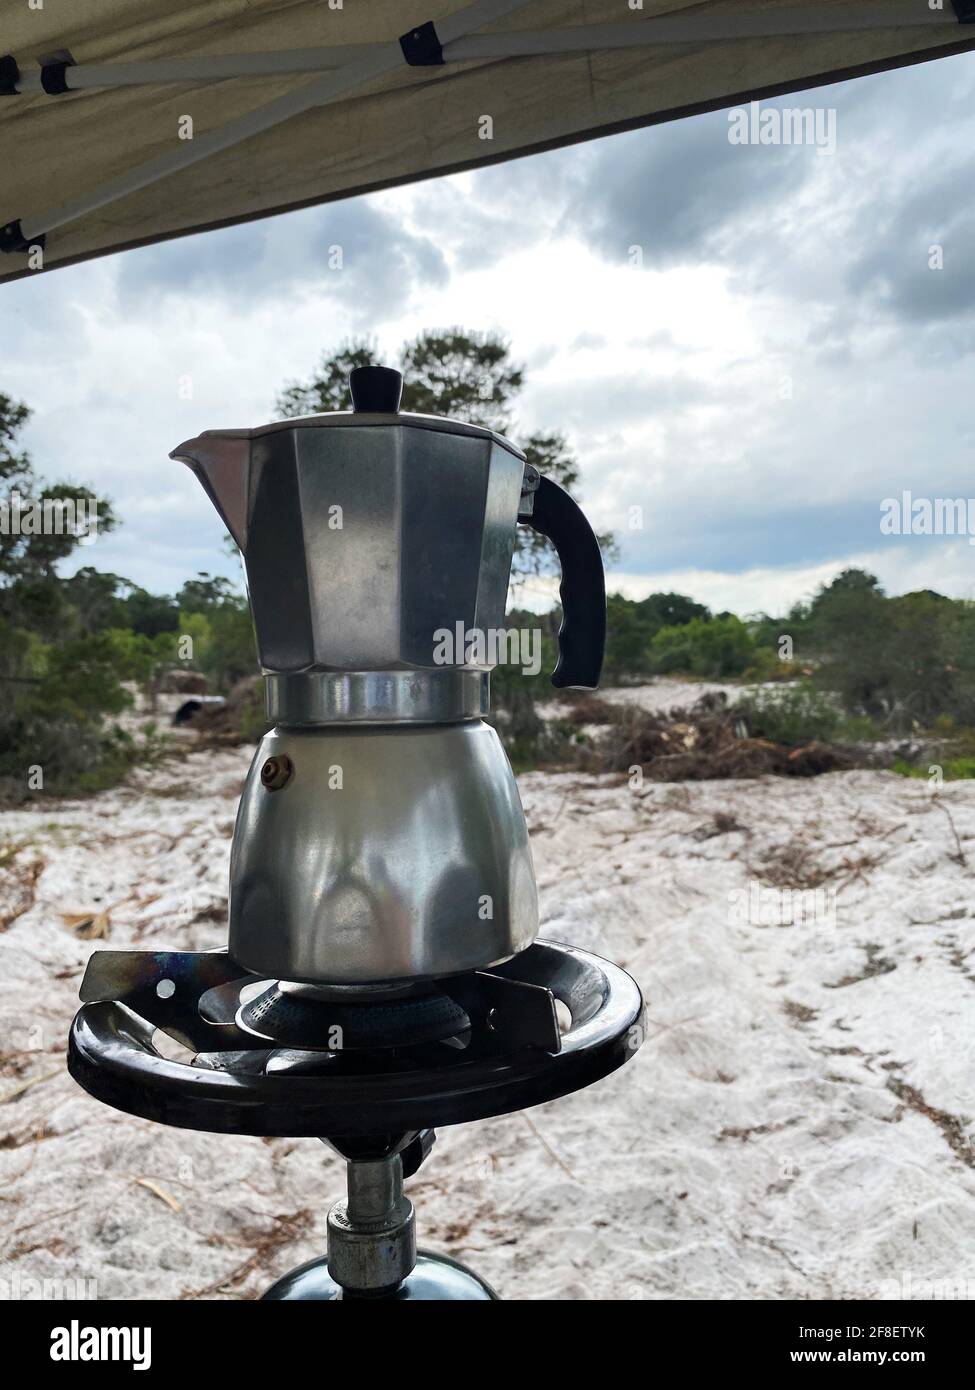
(705, 742)
(240, 719)
(590, 709)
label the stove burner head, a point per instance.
(305, 1016)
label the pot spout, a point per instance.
(221, 461)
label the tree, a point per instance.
(469, 376)
(849, 581)
(853, 594)
(218, 619)
(631, 626)
(850, 627)
(628, 637)
(924, 675)
(150, 614)
(328, 389)
(97, 598)
(14, 464)
(671, 610)
(207, 592)
(26, 552)
(57, 681)
(34, 540)
(466, 376)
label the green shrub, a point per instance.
(632, 624)
(794, 715)
(711, 648)
(952, 769)
(769, 666)
(54, 719)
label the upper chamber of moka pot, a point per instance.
(380, 836)
(364, 533)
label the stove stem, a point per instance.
(371, 1235)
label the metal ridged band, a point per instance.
(377, 697)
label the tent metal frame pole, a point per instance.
(709, 27)
(83, 77)
(383, 58)
(188, 152)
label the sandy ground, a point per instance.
(658, 696)
(799, 1123)
(668, 693)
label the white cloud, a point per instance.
(668, 380)
(947, 566)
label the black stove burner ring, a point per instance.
(238, 1085)
(289, 1016)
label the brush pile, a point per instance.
(707, 741)
(239, 719)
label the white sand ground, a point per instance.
(658, 696)
(799, 1123)
(667, 693)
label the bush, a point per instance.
(53, 719)
(769, 666)
(952, 769)
(631, 626)
(794, 715)
(906, 661)
(710, 648)
(703, 743)
(224, 647)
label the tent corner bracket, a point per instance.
(422, 47)
(9, 75)
(12, 239)
(54, 75)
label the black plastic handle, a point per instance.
(582, 636)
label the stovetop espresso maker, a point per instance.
(380, 836)
(382, 975)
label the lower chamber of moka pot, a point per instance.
(372, 1073)
(427, 874)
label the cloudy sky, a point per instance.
(783, 359)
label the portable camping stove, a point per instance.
(371, 1072)
(382, 975)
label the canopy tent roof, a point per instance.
(297, 102)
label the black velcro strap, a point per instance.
(53, 78)
(12, 238)
(9, 75)
(422, 47)
(965, 11)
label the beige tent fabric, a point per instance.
(413, 123)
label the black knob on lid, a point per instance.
(376, 390)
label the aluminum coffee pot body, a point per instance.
(363, 536)
(380, 836)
